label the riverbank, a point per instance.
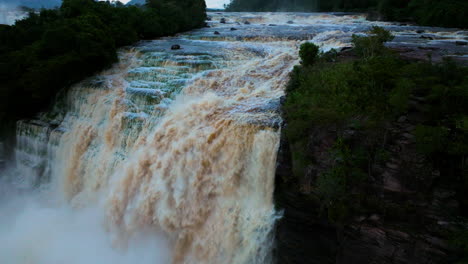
(372, 167)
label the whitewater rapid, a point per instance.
(170, 155)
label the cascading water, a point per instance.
(168, 157)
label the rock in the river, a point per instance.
(232, 29)
(216, 33)
(461, 43)
(175, 47)
(290, 22)
(246, 22)
(222, 20)
(345, 49)
(427, 37)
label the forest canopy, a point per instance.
(54, 48)
(445, 13)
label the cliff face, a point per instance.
(407, 203)
(302, 235)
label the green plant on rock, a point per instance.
(373, 44)
(459, 240)
(309, 53)
(334, 186)
(431, 139)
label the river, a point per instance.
(170, 155)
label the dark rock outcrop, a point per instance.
(408, 222)
(301, 235)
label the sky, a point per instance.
(209, 3)
(216, 3)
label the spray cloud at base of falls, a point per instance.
(167, 157)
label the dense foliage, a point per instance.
(54, 48)
(446, 13)
(362, 97)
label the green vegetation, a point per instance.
(308, 53)
(446, 13)
(50, 50)
(373, 45)
(459, 240)
(359, 98)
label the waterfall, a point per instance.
(180, 145)
(167, 157)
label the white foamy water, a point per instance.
(168, 157)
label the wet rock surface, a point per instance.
(334, 30)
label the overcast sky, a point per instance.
(216, 3)
(209, 3)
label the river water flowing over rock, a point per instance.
(170, 155)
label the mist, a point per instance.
(38, 228)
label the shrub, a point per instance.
(431, 139)
(309, 53)
(372, 45)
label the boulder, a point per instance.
(216, 33)
(232, 29)
(345, 48)
(427, 37)
(222, 20)
(175, 47)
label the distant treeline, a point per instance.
(445, 13)
(55, 48)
